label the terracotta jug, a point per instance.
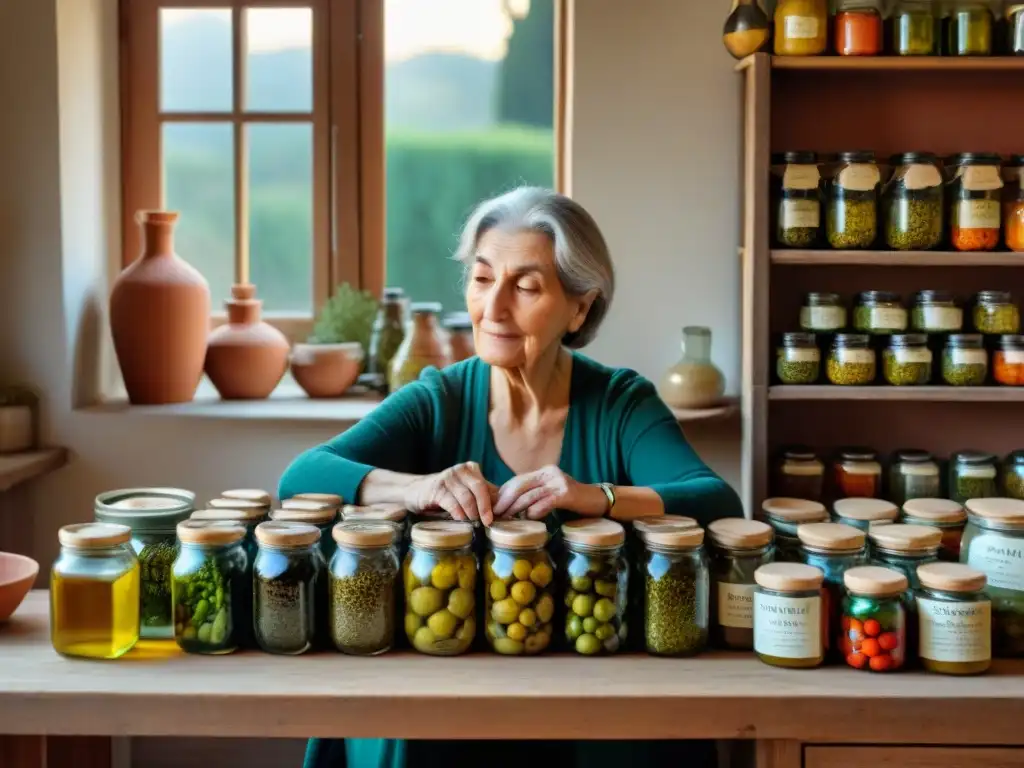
(159, 318)
(246, 358)
(426, 343)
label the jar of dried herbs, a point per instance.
(1013, 475)
(798, 359)
(969, 31)
(946, 515)
(785, 515)
(995, 312)
(799, 474)
(822, 313)
(972, 475)
(797, 187)
(936, 312)
(915, 28)
(907, 361)
(863, 513)
(635, 557)
(676, 592)
(790, 625)
(833, 548)
(913, 474)
(851, 220)
(879, 312)
(738, 548)
(364, 586)
(851, 362)
(955, 619)
(286, 577)
(857, 473)
(964, 360)
(976, 201)
(912, 200)
(595, 571)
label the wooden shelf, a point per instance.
(905, 394)
(16, 468)
(897, 258)
(891, 63)
(728, 409)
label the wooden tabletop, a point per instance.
(159, 692)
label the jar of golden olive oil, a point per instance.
(94, 592)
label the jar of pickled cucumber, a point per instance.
(287, 578)
(596, 585)
(851, 361)
(913, 474)
(907, 361)
(1013, 475)
(789, 616)
(912, 201)
(993, 543)
(857, 473)
(995, 312)
(972, 475)
(785, 515)
(797, 187)
(322, 518)
(833, 548)
(936, 312)
(955, 617)
(975, 195)
(738, 548)
(440, 588)
(851, 219)
(865, 514)
(676, 592)
(519, 589)
(822, 313)
(799, 474)
(946, 515)
(363, 590)
(798, 359)
(879, 312)
(969, 28)
(915, 28)
(964, 360)
(874, 623)
(212, 588)
(94, 592)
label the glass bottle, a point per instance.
(912, 200)
(363, 589)
(798, 359)
(851, 219)
(970, 29)
(595, 573)
(801, 27)
(799, 474)
(857, 474)
(972, 475)
(1013, 184)
(964, 360)
(796, 183)
(795, 590)
(425, 344)
(858, 28)
(946, 515)
(913, 474)
(936, 312)
(460, 335)
(738, 548)
(822, 313)
(287, 578)
(879, 312)
(907, 361)
(851, 361)
(520, 591)
(746, 29)
(914, 28)
(785, 515)
(975, 195)
(955, 618)
(995, 312)
(693, 382)
(676, 593)
(388, 331)
(874, 634)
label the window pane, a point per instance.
(199, 182)
(281, 215)
(469, 106)
(195, 60)
(279, 59)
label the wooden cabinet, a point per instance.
(913, 757)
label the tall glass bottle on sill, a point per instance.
(388, 331)
(746, 29)
(693, 382)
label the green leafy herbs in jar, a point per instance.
(913, 474)
(879, 312)
(964, 360)
(915, 28)
(865, 514)
(738, 548)
(907, 361)
(635, 558)
(851, 220)
(797, 187)
(874, 623)
(785, 515)
(287, 575)
(936, 312)
(388, 331)
(912, 201)
(972, 475)
(822, 313)
(798, 359)
(955, 619)
(1013, 475)
(851, 361)
(799, 474)
(676, 592)
(975, 195)
(995, 312)
(969, 30)
(363, 589)
(596, 585)
(833, 548)
(945, 515)
(789, 616)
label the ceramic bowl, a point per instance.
(326, 370)
(17, 575)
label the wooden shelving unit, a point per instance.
(897, 258)
(933, 394)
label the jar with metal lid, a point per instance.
(879, 312)
(796, 184)
(363, 590)
(865, 514)
(912, 200)
(851, 219)
(946, 515)
(738, 548)
(596, 572)
(969, 28)
(851, 361)
(915, 28)
(972, 475)
(858, 27)
(152, 515)
(798, 359)
(936, 312)
(785, 515)
(907, 361)
(677, 588)
(790, 625)
(519, 588)
(321, 516)
(799, 474)
(212, 588)
(439, 570)
(975, 196)
(874, 623)
(857, 473)
(833, 548)
(955, 619)
(801, 27)
(964, 360)
(913, 474)
(94, 592)
(822, 313)
(635, 558)
(995, 312)
(1013, 475)
(287, 578)
(1013, 183)
(1008, 361)
(460, 335)
(388, 331)
(993, 543)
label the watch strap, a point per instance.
(609, 492)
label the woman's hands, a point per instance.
(535, 495)
(461, 491)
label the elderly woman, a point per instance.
(529, 427)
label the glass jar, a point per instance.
(322, 519)
(440, 568)
(635, 558)
(801, 27)
(798, 360)
(936, 312)
(851, 361)
(738, 548)
(851, 219)
(794, 591)
(874, 622)
(1015, 29)
(857, 474)
(1013, 475)
(865, 514)
(970, 29)
(913, 474)
(946, 515)
(519, 589)
(796, 184)
(785, 515)
(1013, 188)
(972, 475)
(822, 313)
(914, 28)
(287, 575)
(363, 590)
(994, 544)
(964, 360)
(460, 335)
(858, 27)
(676, 593)
(595, 571)
(912, 200)
(1008, 361)
(907, 361)
(94, 592)
(975, 197)
(955, 618)
(879, 312)
(995, 312)
(387, 333)
(695, 381)
(799, 474)
(212, 588)
(151, 514)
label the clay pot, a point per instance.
(246, 358)
(327, 370)
(425, 344)
(160, 318)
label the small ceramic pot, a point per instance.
(327, 370)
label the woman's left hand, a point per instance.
(535, 494)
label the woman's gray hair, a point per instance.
(581, 254)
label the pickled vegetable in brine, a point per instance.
(96, 618)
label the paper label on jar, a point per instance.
(980, 178)
(801, 27)
(912, 354)
(803, 468)
(801, 177)
(800, 214)
(787, 627)
(736, 605)
(980, 472)
(1013, 356)
(955, 631)
(822, 318)
(942, 318)
(960, 356)
(919, 469)
(921, 176)
(1000, 558)
(887, 317)
(978, 214)
(856, 356)
(797, 355)
(859, 177)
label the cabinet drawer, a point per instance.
(913, 757)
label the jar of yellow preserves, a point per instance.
(955, 619)
(597, 585)
(801, 27)
(94, 592)
(519, 587)
(789, 619)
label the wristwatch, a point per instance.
(609, 491)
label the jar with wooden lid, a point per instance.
(738, 548)
(212, 588)
(395, 514)
(799, 474)
(519, 589)
(798, 359)
(915, 28)
(946, 515)
(833, 548)
(94, 592)
(907, 360)
(595, 571)
(936, 312)
(330, 499)
(822, 313)
(785, 515)
(874, 623)
(256, 495)
(797, 196)
(801, 27)
(972, 475)
(789, 616)
(248, 514)
(995, 312)
(363, 589)
(993, 543)
(287, 578)
(635, 558)
(857, 473)
(913, 474)
(851, 361)
(851, 218)
(321, 516)
(858, 27)
(975, 195)
(864, 514)
(676, 592)
(969, 31)
(955, 619)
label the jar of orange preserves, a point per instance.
(858, 28)
(1013, 203)
(1008, 361)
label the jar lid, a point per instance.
(794, 510)
(311, 516)
(875, 581)
(285, 534)
(951, 577)
(308, 505)
(822, 299)
(248, 494)
(393, 292)
(1016, 457)
(933, 297)
(799, 453)
(738, 533)
(975, 158)
(934, 510)
(94, 535)
(674, 538)
(866, 510)
(789, 577)
(856, 156)
(994, 297)
(458, 321)
(997, 512)
(396, 513)
(908, 339)
(906, 538)
(518, 534)
(877, 297)
(209, 532)
(426, 307)
(144, 509)
(914, 158)
(850, 340)
(230, 515)
(1011, 341)
(644, 525)
(366, 534)
(443, 534)
(832, 537)
(595, 532)
(857, 453)
(964, 340)
(330, 499)
(222, 503)
(912, 456)
(794, 157)
(799, 339)
(974, 457)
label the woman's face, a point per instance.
(516, 301)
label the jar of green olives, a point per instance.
(1013, 475)
(597, 583)
(851, 361)
(519, 587)
(440, 588)
(964, 360)
(907, 361)
(913, 202)
(822, 313)
(363, 594)
(851, 221)
(790, 628)
(955, 618)
(797, 185)
(946, 515)
(936, 312)
(972, 475)
(879, 312)
(676, 592)
(833, 548)
(798, 360)
(785, 515)
(287, 578)
(995, 312)
(738, 548)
